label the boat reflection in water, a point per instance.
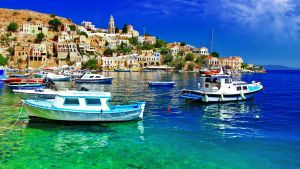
(78, 138)
(234, 119)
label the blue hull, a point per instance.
(60, 79)
(171, 84)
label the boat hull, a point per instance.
(161, 84)
(196, 95)
(26, 87)
(107, 80)
(59, 115)
(60, 79)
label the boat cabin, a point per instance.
(225, 83)
(88, 101)
(89, 75)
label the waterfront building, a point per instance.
(201, 51)
(67, 52)
(212, 62)
(149, 58)
(233, 62)
(111, 25)
(21, 53)
(38, 56)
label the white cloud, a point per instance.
(269, 16)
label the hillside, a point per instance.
(21, 16)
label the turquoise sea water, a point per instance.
(259, 133)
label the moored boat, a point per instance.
(25, 85)
(12, 80)
(161, 83)
(222, 89)
(93, 78)
(56, 77)
(84, 107)
(122, 70)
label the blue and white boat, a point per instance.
(83, 107)
(41, 74)
(93, 78)
(36, 93)
(222, 89)
(25, 85)
(19, 75)
(161, 83)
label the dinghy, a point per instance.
(161, 83)
(83, 106)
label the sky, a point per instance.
(263, 32)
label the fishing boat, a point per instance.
(37, 80)
(161, 83)
(56, 77)
(93, 78)
(72, 74)
(222, 89)
(36, 93)
(25, 85)
(83, 107)
(12, 80)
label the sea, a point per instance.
(262, 133)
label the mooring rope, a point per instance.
(18, 118)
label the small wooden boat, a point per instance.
(37, 80)
(12, 80)
(93, 78)
(25, 85)
(84, 107)
(222, 89)
(162, 83)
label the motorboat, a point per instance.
(93, 78)
(25, 85)
(161, 83)
(82, 106)
(56, 77)
(71, 74)
(122, 70)
(19, 75)
(222, 89)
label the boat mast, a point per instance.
(211, 40)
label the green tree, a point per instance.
(108, 52)
(189, 57)
(54, 24)
(244, 65)
(191, 66)
(182, 43)
(147, 46)
(91, 64)
(125, 30)
(117, 29)
(52, 15)
(159, 43)
(12, 27)
(83, 33)
(29, 19)
(179, 65)
(164, 51)
(3, 60)
(11, 51)
(134, 41)
(123, 48)
(72, 27)
(39, 37)
(167, 59)
(180, 53)
(215, 54)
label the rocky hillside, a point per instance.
(21, 16)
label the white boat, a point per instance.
(222, 89)
(83, 106)
(36, 94)
(40, 74)
(71, 74)
(93, 78)
(162, 83)
(56, 77)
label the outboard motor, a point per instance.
(84, 89)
